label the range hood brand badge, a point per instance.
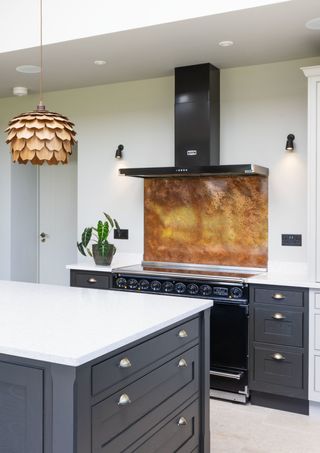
(192, 152)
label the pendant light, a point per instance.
(41, 136)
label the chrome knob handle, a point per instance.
(278, 356)
(182, 421)
(278, 296)
(125, 363)
(182, 333)
(124, 400)
(278, 316)
(182, 363)
(92, 280)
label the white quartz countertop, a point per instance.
(72, 326)
(285, 279)
(286, 274)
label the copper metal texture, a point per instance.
(207, 220)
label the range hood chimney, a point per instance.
(197, 116)
(197, 129)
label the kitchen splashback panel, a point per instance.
(207, 220)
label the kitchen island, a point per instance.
(86, 371)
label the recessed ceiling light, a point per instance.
(28, 69)
(313, 24)
(226, 43)
(100, 62)
(20, 91)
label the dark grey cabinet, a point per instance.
(138, 360)
(21, 409)
(145, 403)
(278, 295)
(278, 325)
(279, 367)
(180, 433)
(90, 279)
(278, 349)
(150, 396)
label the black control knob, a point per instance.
(155, 285)
(168, 287)
(193, 289)
(180, 288)
(144, 285)
(205, 290)
(132, 283)
(236, 292)
(121, 283)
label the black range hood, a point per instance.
(218, 170)
(197, 129)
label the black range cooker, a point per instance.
(229, 315)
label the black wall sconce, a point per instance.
(290, 144)
(118, 154)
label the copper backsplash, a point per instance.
(207, 220)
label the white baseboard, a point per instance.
(314, 409)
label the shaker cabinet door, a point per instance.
(21, 409)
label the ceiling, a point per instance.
(261, 35)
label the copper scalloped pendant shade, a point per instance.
(41, 136)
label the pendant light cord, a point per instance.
(41, 106)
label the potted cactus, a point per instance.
(101, 250)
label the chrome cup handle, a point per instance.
(182, 421)
(182, 334)
(182, 363)
(125, 363)
(124, 400)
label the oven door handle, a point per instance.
(236, 376)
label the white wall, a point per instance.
(260, 105)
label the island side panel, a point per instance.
(21, 408)
(36, 406)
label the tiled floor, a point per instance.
(251, 429)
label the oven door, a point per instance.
(229, 347)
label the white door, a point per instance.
(57, 221)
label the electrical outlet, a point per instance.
(294, 240)
(120, 234)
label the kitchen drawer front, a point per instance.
(278, 326)
(280, 295)
(286, 372)
(97, 280)
(115, 427)
(110, 372)
(179, 434)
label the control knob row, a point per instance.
(169, 287)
